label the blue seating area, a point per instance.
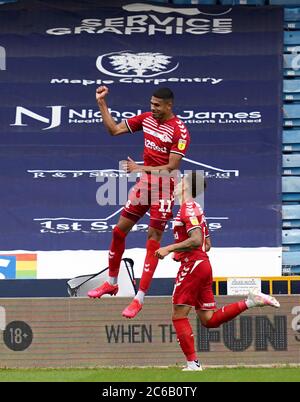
(291, 124)
(291, 138)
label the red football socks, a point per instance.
(116, 251)
(185, 337)
(150, 264)
(226, 313)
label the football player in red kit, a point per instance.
(166, 140)
(193, 287)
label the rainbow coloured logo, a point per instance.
(18, 266)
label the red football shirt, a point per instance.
(190, 216)
(160, 138)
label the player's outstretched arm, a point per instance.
(112, 127)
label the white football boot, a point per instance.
(258, 299)
(193, 366)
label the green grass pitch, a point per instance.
(172, 374)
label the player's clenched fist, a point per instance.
(162, 252)
(101, 92)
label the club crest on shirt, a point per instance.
(181, 144)
(194, 221)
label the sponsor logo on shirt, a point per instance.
(151, 145)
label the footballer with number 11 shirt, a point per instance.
(166, 140)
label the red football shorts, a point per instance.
(155, 197)
(193, 285)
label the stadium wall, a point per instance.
(63, 332)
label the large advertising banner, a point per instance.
(224, 66)
(84, 334)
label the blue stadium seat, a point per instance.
(291, 161)
(291, 165)
(291, 258)
(291, 140)
(292, 41)
(292, 14)
(291, 216)
(291, 236)
(291, 185)
(243, 2)
(291, 88)
(292, 38)
(291, 115)
(291, 189)
(291, 137)
(291, 212)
